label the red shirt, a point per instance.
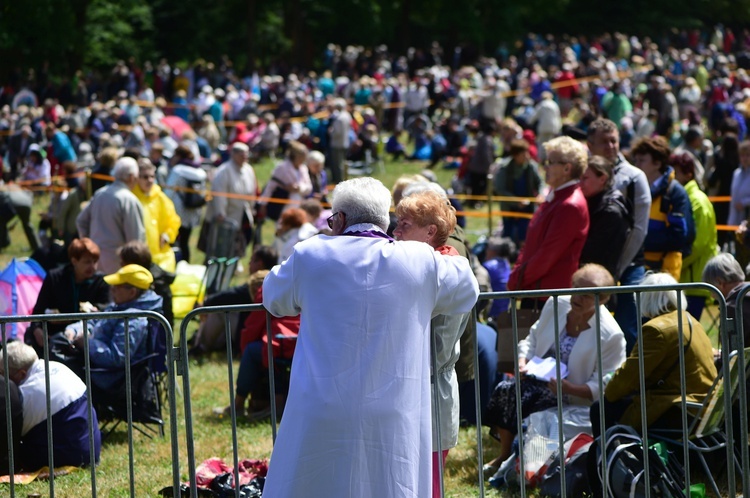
(255, 330)
(554, 241)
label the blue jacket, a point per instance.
(670, 226)
(62, 148)
(107, 340)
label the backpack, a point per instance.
(576, 469)
(193, 197)
(625, 467)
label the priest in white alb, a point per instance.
(357, 420)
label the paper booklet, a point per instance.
(545, 368)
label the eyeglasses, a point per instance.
(330, 219)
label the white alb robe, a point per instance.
(357, 420)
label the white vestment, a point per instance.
(357, 420)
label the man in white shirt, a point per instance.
(235, 177)
(341, 125)
(357, 419)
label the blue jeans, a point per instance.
(626, 314)
(695, 305)
(487, 359)
(251, 368)
(515, 229)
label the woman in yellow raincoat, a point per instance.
(160, 218)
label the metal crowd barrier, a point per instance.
(177, 364)
(85, 318)
(183, 351)
(727, 336)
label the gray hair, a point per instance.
(417, 187)
(20, 357)
(124, 168)
(656, 303)
(317, 157)
(362, 200)
(723, 269)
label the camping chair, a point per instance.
(148, 375)
(214, 274)
(230, 266)
(364, 168)
(222, 237)
(706, 432)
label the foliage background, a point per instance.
(93, 34)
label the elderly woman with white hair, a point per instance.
(558, 229)
(661, 344)
(318, 177)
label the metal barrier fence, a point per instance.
(727, 336)
(85, 318)
(177, 364)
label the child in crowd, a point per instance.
(500, 252)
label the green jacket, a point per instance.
(660, 357)
(465, 364)
(705, 245)
(506, 177)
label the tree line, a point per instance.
(63, 36)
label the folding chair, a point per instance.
(147, 376)
(230, 266)
(706, 432)
(366, 167)
(214, 274)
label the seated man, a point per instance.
(68, 405)
(130, 291)
(136, 252)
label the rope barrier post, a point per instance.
(489, 204)
(88, 184)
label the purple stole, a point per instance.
(372, 234)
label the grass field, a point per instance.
(210, 389)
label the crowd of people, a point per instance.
(605, 151)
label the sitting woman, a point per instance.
(427, 216)
(576, 316)
(254, 362)
(622, 403)
(38, 170)
(73, 288)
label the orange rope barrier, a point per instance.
(209, 194)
